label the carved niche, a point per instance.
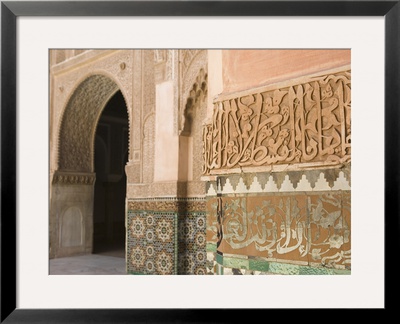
(197, 96)
(307, 122)
(193, 75)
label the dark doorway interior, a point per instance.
(111, 147)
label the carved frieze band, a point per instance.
(64, 178)
(305, 122)
(315, 180)
(168, 204)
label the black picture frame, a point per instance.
(11, 10)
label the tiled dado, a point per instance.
(167, 236)
(309, 229)
(228, 264)
(294, 181)
(192, 254)
(152, 242)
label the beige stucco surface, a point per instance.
(166, 142)
(244, 69)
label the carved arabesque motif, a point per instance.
(186, 59)
(301, 123)
(148, 148)
(79, 123)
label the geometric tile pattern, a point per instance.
(167, 236)
(192, 254)
(309, 228)
(151, 244)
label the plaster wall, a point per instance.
(215, 81)
(245, 69)
(166, 142)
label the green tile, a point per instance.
(341, 272)
(259, 265)
(315, 271)
(284, 268)
(236, 263)
(219, 258)
(211, 247)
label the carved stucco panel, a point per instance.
(148, 148)
(137, 102)
(306, 123)
(79, 123)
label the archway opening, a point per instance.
(110, 158)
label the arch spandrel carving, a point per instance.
(79, 121)
(117, 65)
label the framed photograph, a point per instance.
(224, 157)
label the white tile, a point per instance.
(271, 185)
(304, 184)
(321, 184)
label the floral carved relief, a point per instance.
(301, 123)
